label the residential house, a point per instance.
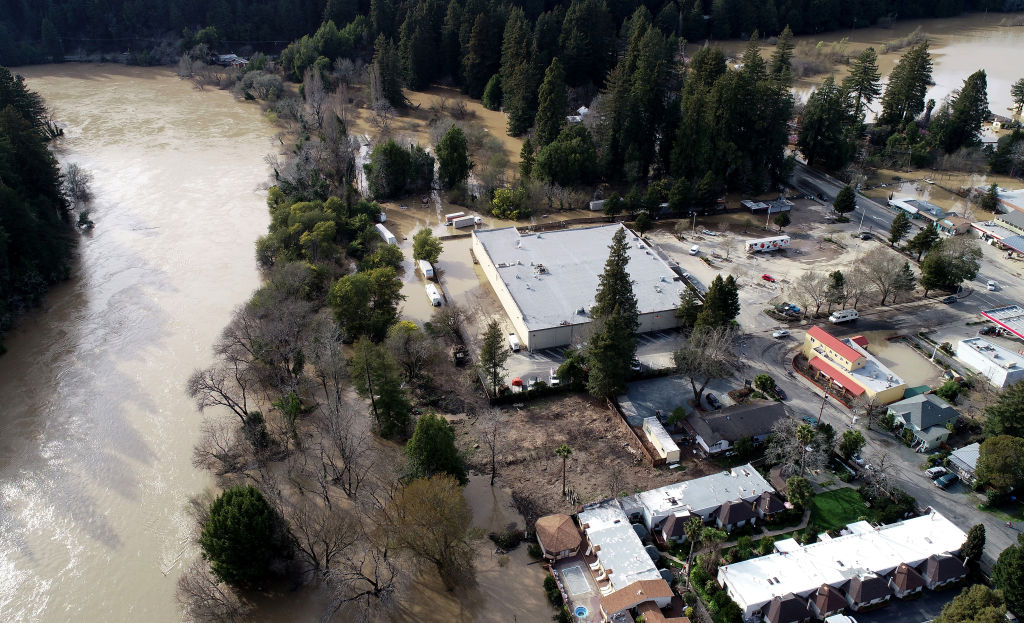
(701, 496)
(768, 505)
(964, 461)
(558, 536)
(787, 609)
(652, 614)
(663, 443)
(734, 515)
(906, 581)
(715, 433)
(674, 528)
(1001, 366)
(658, 592)
(927, 417)
(847, 364)
(942, 570)
(826, 601)
(866, 590)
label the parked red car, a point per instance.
(768, 277)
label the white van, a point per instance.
(513, 342)
(843, 315)
(695, 249)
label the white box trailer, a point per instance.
(433, 295)
(465, 221)
(758, 245)
(386, 235)
(448, 218)
(426, 269)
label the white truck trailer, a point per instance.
(426, 268)
(433, 295)
(465, 221)
(386, 235)
(758, 245)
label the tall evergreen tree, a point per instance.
(958, 124)
(863, 83)
(721, 303)
(781, 63)
(493, 355)
(615, 287)
(899, 228)
(924, 240)
(552, 101)
(492, 93)
(845, 201)
(827, 135)
(587, 42)
(526, 158)
(903, 99)
(386, 73)
(431, 450)
(453, 158)
(1017, 93)
(477, 67)
(518, 74)
(417, 50)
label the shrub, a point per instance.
(508, 539)
(551, 590)
(535, 551)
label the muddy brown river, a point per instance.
(95, 429)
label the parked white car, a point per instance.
(992, 285)
(780, 333)
(553, 379)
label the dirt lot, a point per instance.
(602, 462)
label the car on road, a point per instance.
(987, 330)
(809, 420)
(858, 459)
(553, 379)
(992, 286)
(768, 277)
(944, 481)
(780, 333)
(714, 401)
(949, 300)
(935, 472)
(780, 393)
(865, 236)
(635, 365)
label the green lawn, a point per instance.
(834, 509)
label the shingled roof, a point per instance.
(787, 609)
(866, 588)
(557, 533)
(734, 512)
(748, 420)
(828, 599)
(943, 568)
(675, 526)
(635, 593)
(906, 578)
(769, 503)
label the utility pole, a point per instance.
(824, 399)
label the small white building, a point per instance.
(661, 440)
(964, 461)
(999, 365)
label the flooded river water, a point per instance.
(95, 428)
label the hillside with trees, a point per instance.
(463, 32)
(35, 220)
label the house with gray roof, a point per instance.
(926, 415)
(787, 609)
(964, 462)
(716, 433)
(735, 514)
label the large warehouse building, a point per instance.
(546, 281)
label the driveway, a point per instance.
(924, 608)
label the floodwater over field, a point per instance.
(959, 46)
(95, 429)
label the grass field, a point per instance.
(834, 509)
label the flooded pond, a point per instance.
(913, 367)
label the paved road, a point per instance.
(812, 181)
(924, 608)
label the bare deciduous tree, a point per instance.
(368, 584)
(882, 268)
(857, 284)
(412, 349)
(383, 114)
(220, 448)
(224, 385)
(203, 598)
(813, 287)
(321, 535)
(325, 353)
(450, 320)
(77, 185)
(708, 354)
(490, 428)
(786, 449)
(345, 449)
(316, 96)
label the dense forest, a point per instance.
(33, 32)
(35, 230)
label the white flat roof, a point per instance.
(994, 353)
(707, 492)
(992, 229)
(621, 551)
(1010, 318)
(755, 582)
(658, 432)
(572, 261)
(874, 374)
